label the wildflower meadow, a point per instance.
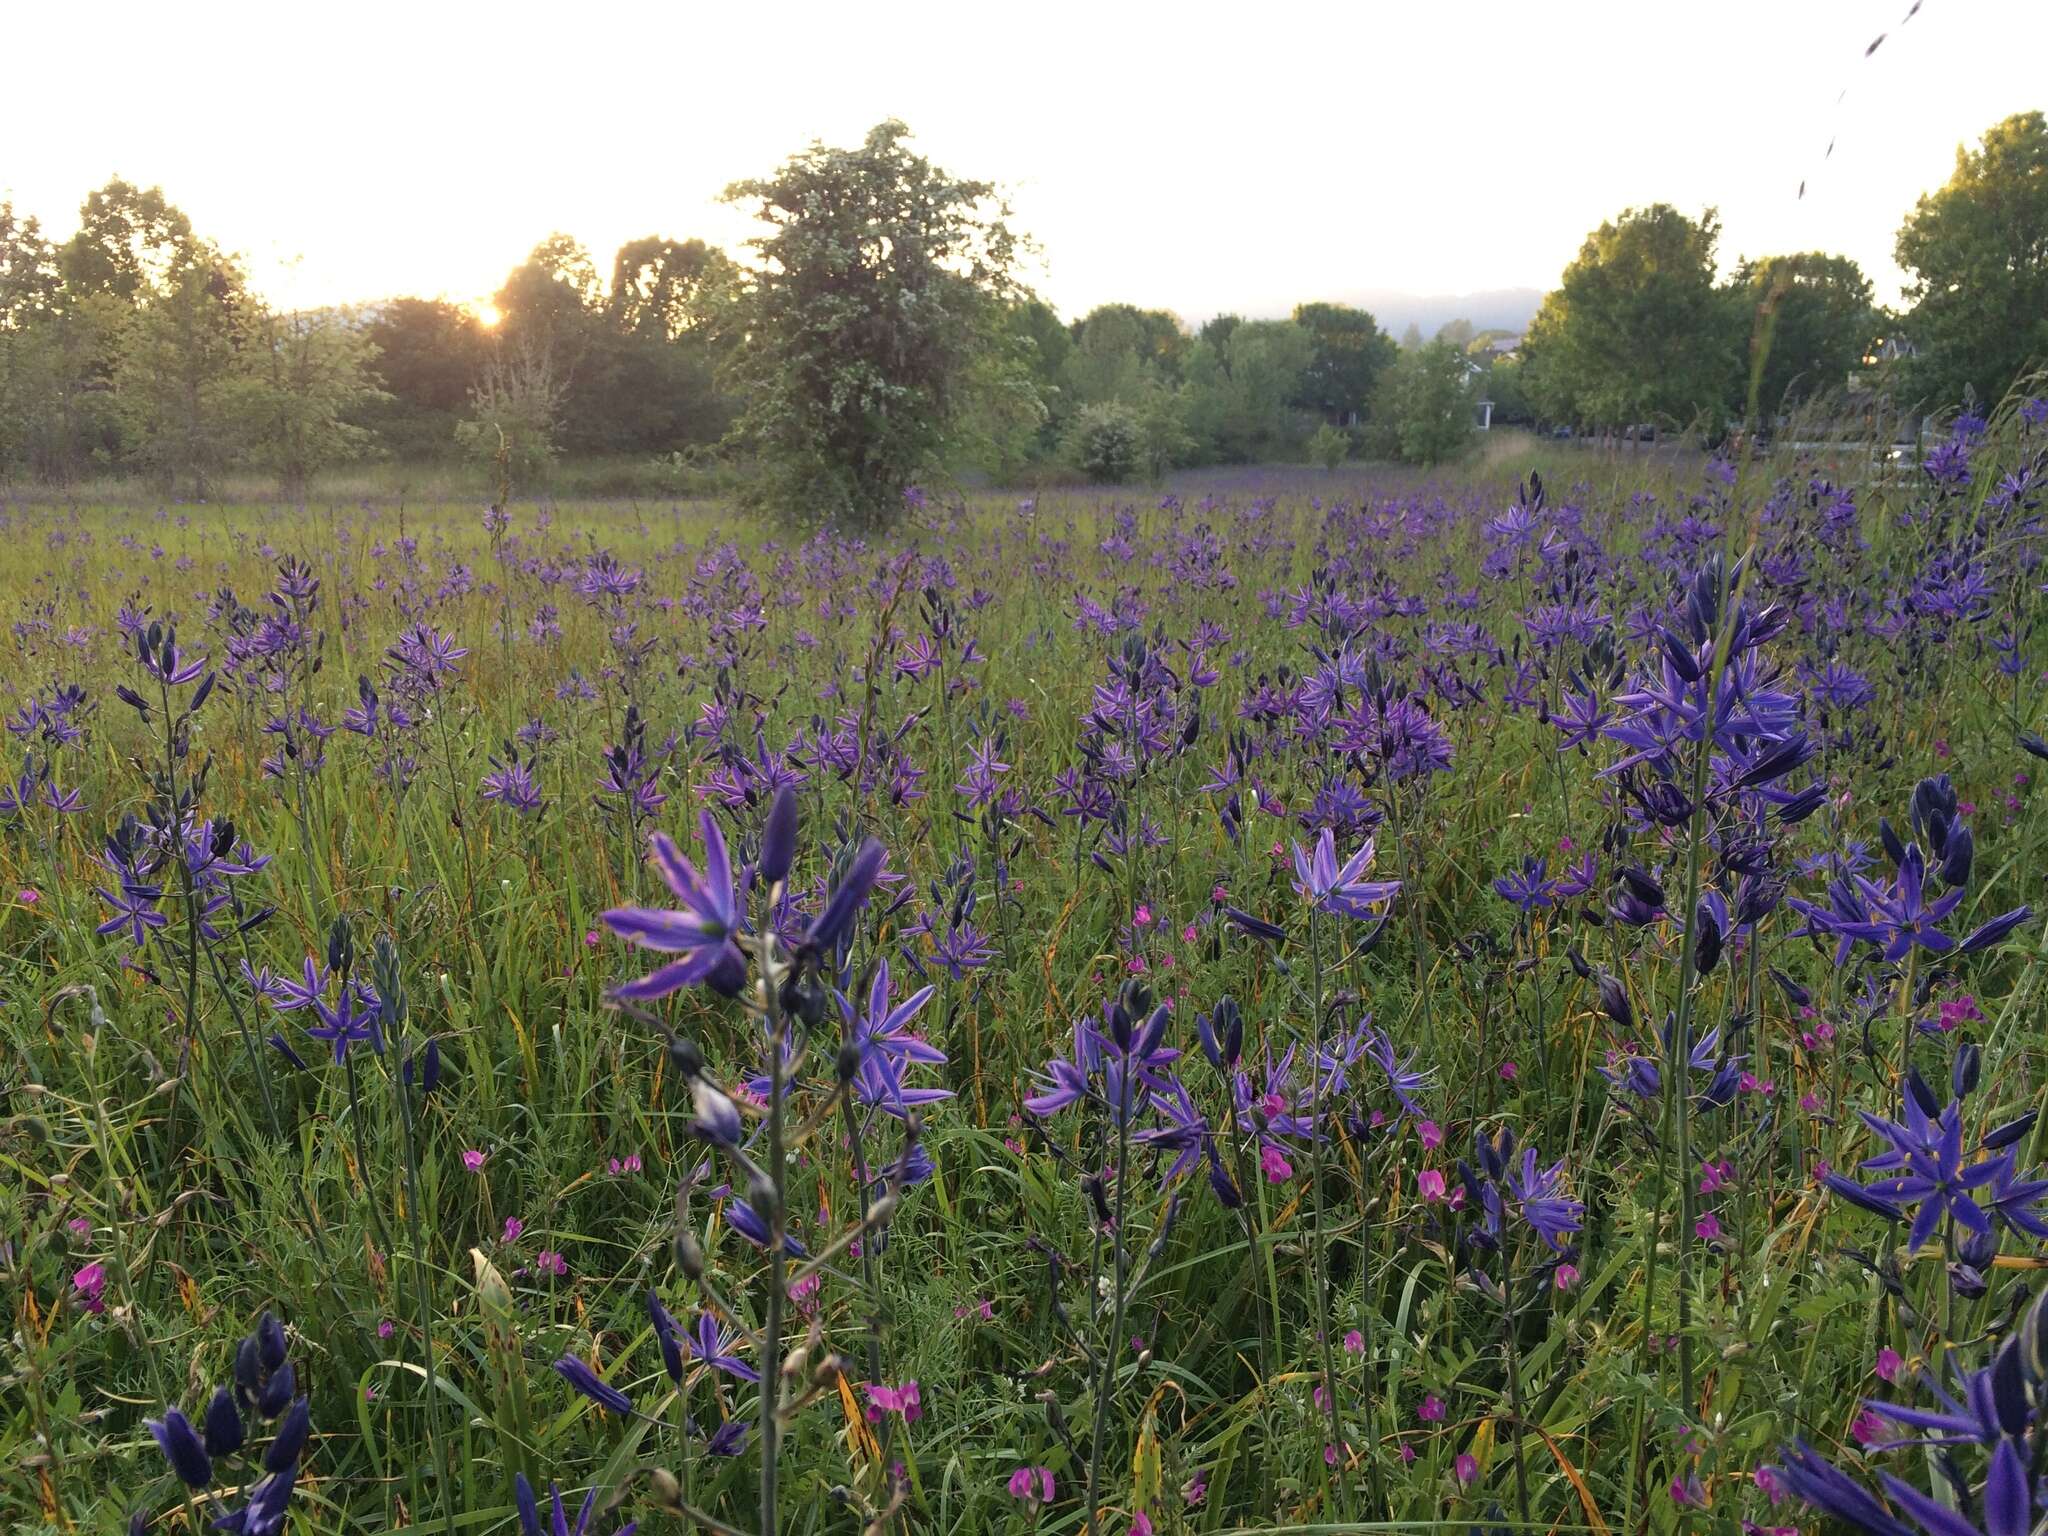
(1496, 1002)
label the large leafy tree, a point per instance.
(303, 380)
(129, 240)
(1978, 253)
(1238, 399)
(1813, 318)
(879, 288)
(181, 354)
(427, 357)
(1349, 352)
(1422, 411)
(1637, 330)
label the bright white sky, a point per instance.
(1199, 157)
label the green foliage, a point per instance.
(303, 379)
(428, 355)
(180, 364)
(1813, 319)
(515, 412)
(1238, 400)
(1329, 446)
(1423, 412)
(1348, 354)
(880, 284)
(1105, 442)
(1636, 330)
(1978, 253)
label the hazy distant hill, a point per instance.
(1506, 309)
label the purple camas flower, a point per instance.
(704, 931)
(1342, 890)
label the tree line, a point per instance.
(878, 334)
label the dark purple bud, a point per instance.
(1995, 930)
(284, 1049)
(847, 897)
(204, 692)
(716, 1117)
(1795, 994)
(1642, 885)
(1893, 848)
(1962, 1076)
(1923, 1095)
(179, 1442)
(778, 837)
(430, 1070)
(592, 1385)
(1802, 804)
(224, 1431)
(277, 1392)
(1256, 927)
(1614, 1001)
(665, 1333)
(2031, 743)
(2011, 1133)
(1680, 655)
(1856, 1194)
(1710, 921)
(270, 1340)
(529, 1506)
(1219, 1181)
(1778, 760)
(284, 1452)
(1956, 856)
(249, 1372)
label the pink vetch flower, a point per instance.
(905, 1400)
(1143, 916)
(1429, 1184)
(1467, 1468)
(1032, 1486)
(984, 1309)
(805, 1294)
(513, 1227)
(1507, 1071)
(1407, 1454)
(590, 938)
(1188, 935)
(1432, 1410)
(1687, 1492)
(1567, 1276)
(90, 1284)
(1868, 1428)
(385, 1328)
(1274, 1162)
(1714, 1175)
(1196, 1490)
(1767, 1483)
(28, 895)
(473, 1160)
(1810, 1102)
(1708, 1228)
(552, 1263)
(1431, 1133)
(1958, 1011)
(630, 1163)
(1354, 1343)
(1141, 1524)
(1889, 1365)
(79, 1226)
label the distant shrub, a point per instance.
(1106, 442)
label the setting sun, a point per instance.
(487, 314)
